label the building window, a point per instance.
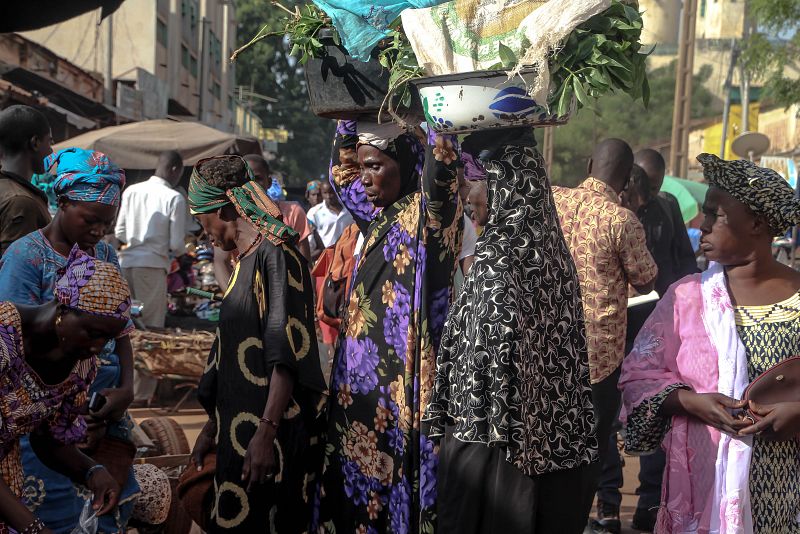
(161, 32)
(216, 90)
(185, 57)
(193, 68)
(215, 49)
(230, 103)
(190, 11)
(702, 8)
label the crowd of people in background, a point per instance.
(433, 339)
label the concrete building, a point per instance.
(720, 19)
(716, 19)
(167, 56)
(661, 22)
(70, 97)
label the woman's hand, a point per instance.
(105, 490)
(780, 421)
(713, 409)
(95, 431)
(259, 461)
(204, 444)
(117, 402)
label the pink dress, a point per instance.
(673, 350)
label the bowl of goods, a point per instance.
(483, 100)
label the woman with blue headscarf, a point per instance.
(88, 186)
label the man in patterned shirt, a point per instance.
(609, 247)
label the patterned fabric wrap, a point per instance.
(96, 287)
(763, 190)
(250, 201)
(152, 507)
(313, 185)
(85, 176)
(473, 169)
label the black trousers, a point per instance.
(482, 493)
(607, 399)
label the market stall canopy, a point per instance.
(17, 16)
(137, 145)
(690, 195)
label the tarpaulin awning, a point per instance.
(137, 145)
(690, 195)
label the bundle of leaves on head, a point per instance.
(601, 55)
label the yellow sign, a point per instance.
(278, 135)
(712, 136)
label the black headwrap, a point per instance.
(763, 190)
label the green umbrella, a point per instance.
(690, 195)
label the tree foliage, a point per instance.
(619, 116)
(774, 46)
(269, 69)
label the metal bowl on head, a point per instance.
(472, 101)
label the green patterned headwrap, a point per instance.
(250, 201)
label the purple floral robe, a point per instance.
(380, 466)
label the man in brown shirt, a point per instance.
(610, 251)
(25, 141)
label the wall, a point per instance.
(661, 21)
(720, 19)
(82, 42)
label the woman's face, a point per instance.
(85, 223)
(730, 230)
(82, 335)
(222, 232)
(380, 175)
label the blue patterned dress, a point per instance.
(28, 273)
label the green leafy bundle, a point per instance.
(303, 27)
(399, 58)
(600, 56)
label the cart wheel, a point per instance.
(167, 435)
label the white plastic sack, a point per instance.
(87, 524)
(464, 35)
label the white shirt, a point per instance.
(469, 240)
(329, 225)
(152, 223)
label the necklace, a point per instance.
(255, 242)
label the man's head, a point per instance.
(639, 191)
(170, 167)
(25, 132)
(611, 163)
(329, 196)
(260, 169)
(653, 164)
(479, 201)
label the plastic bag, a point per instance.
(87, 524)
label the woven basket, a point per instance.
(172, 353)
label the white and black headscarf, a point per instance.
(763, 190)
